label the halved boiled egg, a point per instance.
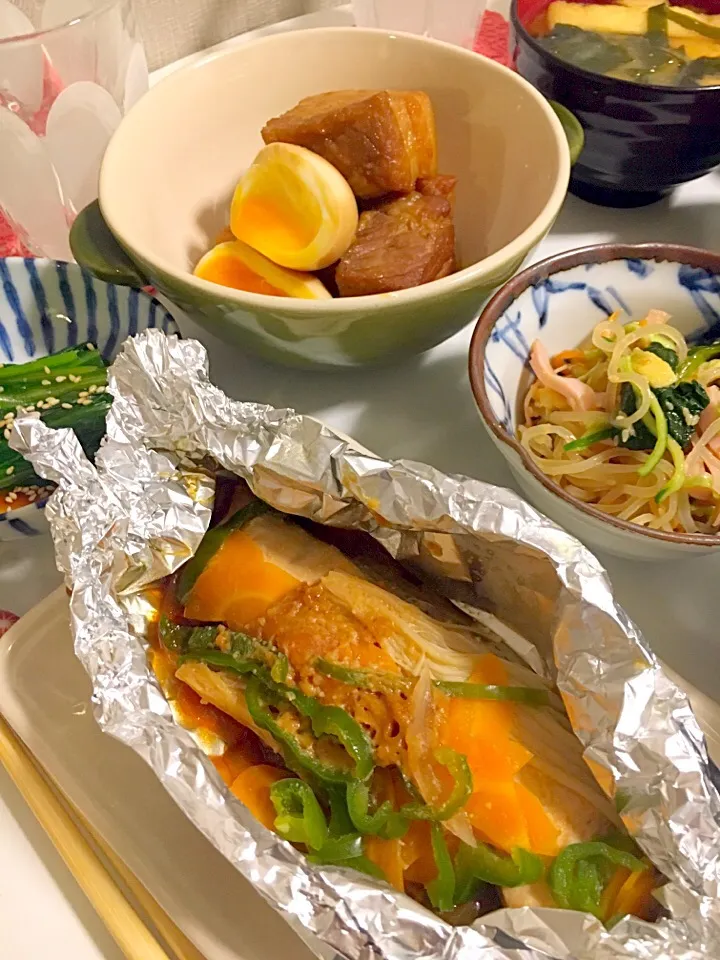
(235, 264)
(295, 207)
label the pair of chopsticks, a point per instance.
(79, 847)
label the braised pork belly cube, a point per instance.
(404, 242)
(381, 141)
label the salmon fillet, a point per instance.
(401, 243)
(380, 140)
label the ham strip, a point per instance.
(578, 394)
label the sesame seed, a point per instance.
(32, 496)
(84, 401)
(46, 383)
(60, 379)
(83, 393)
(10, 415)
(46, 369)
(12, 497)
(10, 470)
(93, 388)
(91, 346)
(6, 433)
(74, 378)
(66, 406)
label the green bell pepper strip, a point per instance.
(441, 890)
(243, 649)
(390, 683)
(588, 439)
(533, 696)
(459, 770)
(571, 887)
(300, 818)
(336, 722)
(340, 822)
(482, 864)
(340, 849)
(363, 679)
(280, 669)
(173, 636)
(588, 888)
(211, 543)
(331, 721)
(385, 822)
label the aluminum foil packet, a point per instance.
(141, 511)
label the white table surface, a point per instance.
(422, 410)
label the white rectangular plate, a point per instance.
(45, 696)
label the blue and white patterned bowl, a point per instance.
(47, 305)
(559, 301)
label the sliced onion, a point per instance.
(420, 759)
(421, 762)
(461, 827)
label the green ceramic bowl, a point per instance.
(171, 167)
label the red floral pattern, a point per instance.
(7, 619)
(493, 38)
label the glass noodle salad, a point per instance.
(630, 423)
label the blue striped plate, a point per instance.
(47, 305)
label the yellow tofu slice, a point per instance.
(612, 18)
(696, 48)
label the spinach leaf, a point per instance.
(640, 438)
(665, 353)
(685, 401)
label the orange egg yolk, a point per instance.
(232, 272)
(280, 224)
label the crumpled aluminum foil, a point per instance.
(141, 511)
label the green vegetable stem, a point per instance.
(67, 389)
(695, 359)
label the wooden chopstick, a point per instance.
(123, 923)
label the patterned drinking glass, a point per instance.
(69, 70)
(454, 21)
